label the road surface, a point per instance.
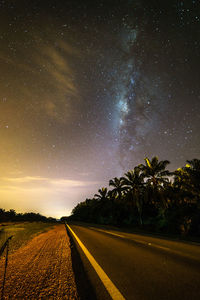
(138, 266)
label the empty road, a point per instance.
(138, 267)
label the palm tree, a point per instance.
(181, 184)
(185, 196)
(103, 207)
(192, 169)
(155, 171)
(134, 182)
(118, 185)
(186, 185)
(103, 194)
(157, 179)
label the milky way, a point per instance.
(88, 89)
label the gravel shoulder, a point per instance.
(42, 269)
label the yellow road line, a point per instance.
(110, 287)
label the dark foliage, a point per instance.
(149, 197)
(12, 216)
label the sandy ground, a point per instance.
(42, 269)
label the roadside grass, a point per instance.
(22, 232)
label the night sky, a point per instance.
(88, 89)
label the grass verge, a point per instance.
(22, 232)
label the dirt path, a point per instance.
(42, 269)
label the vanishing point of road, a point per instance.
(134, 266)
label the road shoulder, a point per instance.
(42, 269)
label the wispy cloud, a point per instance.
(50, 196)
(46, 64)
(27, 182)
(23, 179)
(21, 66)
(55, 63)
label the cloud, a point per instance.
(70, 183)
(23, 179)
(56, 66)
(50, 81)
(50, 196)
(37, 182)
(21, 66)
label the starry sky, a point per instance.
(88, 89)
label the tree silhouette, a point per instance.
(155, 171)
(192, 169)
(12, 216)
(134, 181)
(103, 194)
(118, 185)
(146, 196)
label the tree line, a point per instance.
(12, 216)
(150, 197)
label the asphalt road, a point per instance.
(139, 266)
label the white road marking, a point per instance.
(110, 287)
(161, 247)
(133, 239)
(109, 232)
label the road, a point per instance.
(139, 267)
